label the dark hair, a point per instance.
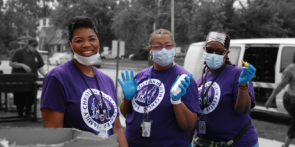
(33, 42)
(80, 21)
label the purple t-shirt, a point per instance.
(65, 91)
(222, 122)
(165, 130)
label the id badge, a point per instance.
(146, 127)
(103, 133)
(202, 126)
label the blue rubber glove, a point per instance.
(247, 74)
(129, 86)
(183, 88)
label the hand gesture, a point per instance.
(247, 74)
(185, 84)
(129, 85)
(27, 68)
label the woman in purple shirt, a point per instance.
(154, 116)
(77, 95)
(226, 96)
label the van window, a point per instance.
(234, 54)
(263, 58)
(287, 57)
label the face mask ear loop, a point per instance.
(151, 55)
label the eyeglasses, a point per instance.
(218, 51)
(166, 46)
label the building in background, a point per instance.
(50, 38)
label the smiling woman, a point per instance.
(76, 94)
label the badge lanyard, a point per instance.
(101, 115)
(202, 122)
(146, 125)
(146, 98)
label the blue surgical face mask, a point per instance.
(213, 61)
(164, 57)
(85, 60)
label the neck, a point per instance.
(216, 70)
(87, 70)
(158, 67)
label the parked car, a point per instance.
(58, 58)
(270, 56)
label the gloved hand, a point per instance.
(129, 86)
(247, 74)
(183, 88)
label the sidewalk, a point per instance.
(262, 141)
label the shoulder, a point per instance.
(143, 72)
(20, 50)
(290, 67)
(179, 70)
(61, 71)
(103, 75)
(233, 69)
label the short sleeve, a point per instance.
(40, 60)
(287, 75)
(53, 94)
(16, 56)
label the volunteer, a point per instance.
(226, 96)
(154, 116)
(77, 95)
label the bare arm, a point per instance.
(16, 64)
(42, 71)
(185, 118)
(121, 135)
(277, 90)
(125, 107)
(52, 118)
(243, 103)
(20, 65)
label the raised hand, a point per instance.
(129, 85)
(183, 87)
(247, 74)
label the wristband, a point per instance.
(175, 102)
(246, 86)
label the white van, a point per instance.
(270, 56)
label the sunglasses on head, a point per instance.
(218, 51)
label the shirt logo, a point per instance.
(90, 110)
(210, 101)
(138, 103)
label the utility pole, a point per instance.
(157, 16)
(172, 17)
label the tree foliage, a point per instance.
(20, 18)
(195, 18)
(100, 12)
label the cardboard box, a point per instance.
(54, 137)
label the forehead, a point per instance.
(215, 44)
(162, 39)
(83, 31)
